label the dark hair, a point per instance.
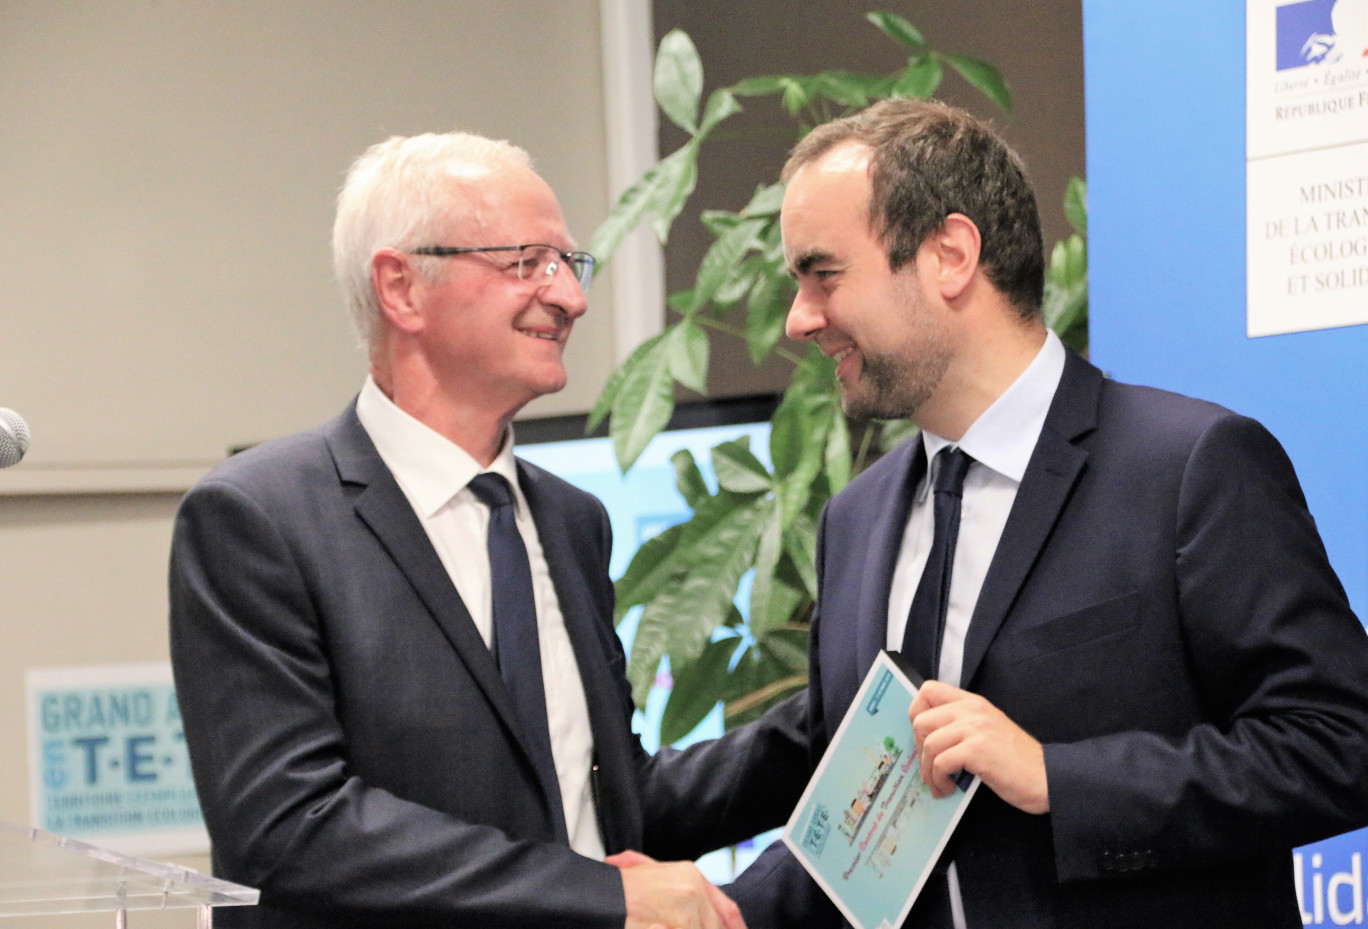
(930, 160)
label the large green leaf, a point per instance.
(668, 200)
(797, 94)
(845, 87)
(767, 556)
(643, 404)
(800, 545)
(788, 646)
(652, 566)
(739, 282)
(698, 687)
(721, 104)
(837, 454)
(983, 76)
(679, 620)
(653, 192)
(918, 80)
(766, 313)
(722, 259)
(762, 678)
(662, 559)
(795, 432)
(679, 79)
(777, 591)
(688, 356)
(689, 479)
(800, 431)
(1076, 204)
(738, 470)
(766, 202)
(1065, 306)
(719, 221)
(761, 86)
(604, 404)
(898, 29)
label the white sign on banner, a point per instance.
(107, 759)
(1307, 164)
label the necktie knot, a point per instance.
(953, 464)
(493, 490)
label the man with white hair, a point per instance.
(403, 696)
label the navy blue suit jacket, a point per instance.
(356, 753)
(1161, 615)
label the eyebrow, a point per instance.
(804, 262)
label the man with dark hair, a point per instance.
(403, 697)
(1141, 647)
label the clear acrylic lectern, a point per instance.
(42, 873)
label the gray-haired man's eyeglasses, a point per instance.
(536, 264)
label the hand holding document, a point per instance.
(868, 829)
(960, 731)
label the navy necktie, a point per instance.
(926, 618)
(517, 647)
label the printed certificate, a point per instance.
(867, 829)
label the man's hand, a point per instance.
(672, 895)
(959, 731)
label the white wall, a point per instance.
(168, 175)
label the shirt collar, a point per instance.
(1005, 435)
(430, 467)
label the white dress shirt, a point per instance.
(434, 473)
(1000, 441)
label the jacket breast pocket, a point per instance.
(1112, 618)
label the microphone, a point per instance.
(14, 437)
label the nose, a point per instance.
(563, 291)
(805, 317)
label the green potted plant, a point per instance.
(760, 521)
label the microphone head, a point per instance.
(14, 437)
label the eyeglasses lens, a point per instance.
(539, 263)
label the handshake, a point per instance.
(672, 895)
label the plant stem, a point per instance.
(714, 323)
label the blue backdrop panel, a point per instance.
(1166, 236)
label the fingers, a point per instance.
(931, 694)
(672, 894)
(958, 731)
(726, 909)
(629, 859)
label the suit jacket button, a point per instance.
(1107, 863)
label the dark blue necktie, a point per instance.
(926, 618)
(517, 647)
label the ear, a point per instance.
(955, 251)
(396, 285)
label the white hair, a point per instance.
(399, 195)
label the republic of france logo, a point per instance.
(1317, 32)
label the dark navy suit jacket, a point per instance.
(356, 753)
(1161, 615)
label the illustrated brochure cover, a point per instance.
(867, 828)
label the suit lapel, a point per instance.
(380, 504)
(1054, 468)
(573, 571)
(906, 467)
